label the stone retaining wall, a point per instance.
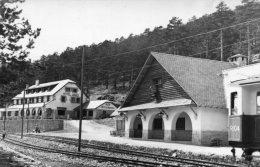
(15, 126)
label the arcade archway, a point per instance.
(157, 129)
(138, 128)
(183, 128)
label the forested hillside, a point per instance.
(115, 63)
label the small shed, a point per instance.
(97, 109)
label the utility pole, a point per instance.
(22, 112)
(81, 97)
(28, 115)
(221, 45)
(248, 44)
(5, 115)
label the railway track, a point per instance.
(161, 158)
(91, 156)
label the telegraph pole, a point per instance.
(22, 112)
(248, 43)
(81, 97)
(28, 115)
(221, 45)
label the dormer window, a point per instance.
(258, 102)
(74, 90)
(67, 89)
(157, 82)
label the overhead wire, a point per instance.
(169, 42)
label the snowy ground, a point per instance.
(94, 131)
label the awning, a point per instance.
(163, 104)
(246, 82)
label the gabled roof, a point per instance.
(96, 103)
(59, 84)
(93, 104)
(198, 77)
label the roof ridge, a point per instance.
(216, 61)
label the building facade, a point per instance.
(46, 101)
(177, 98)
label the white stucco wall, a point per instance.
(214, 119)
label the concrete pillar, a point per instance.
(167, 129)
(145, 123)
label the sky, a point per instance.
(70, 23)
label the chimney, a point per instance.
(238, 59)
(37, 82)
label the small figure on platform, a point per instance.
(37, 129)
(4, 135)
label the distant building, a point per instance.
(46, 101)
(97, 109)
(177, 98)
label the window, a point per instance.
(22, 112)
(21, 101)
(73, 100)
(63, 99)
(17, 101)
(61, 112)
(25, 101)
(48, 98)
(31, 100)
(78, 100)
(39, 111)
(258, 102)
(4, 114)
(37, 99)
(180, 124)
(74, 90)
(42, 99)
(234, 103)
(9, 113)
(67, 89)
(16, 113)
(33, 111)
(90, 113)
(157, 82)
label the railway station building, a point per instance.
(178, 98)
(52, 100)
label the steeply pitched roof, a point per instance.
(198, 77)
(59, 84)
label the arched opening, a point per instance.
(138, 128)
(183, 128)
(157, 131)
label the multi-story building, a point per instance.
(46, 101)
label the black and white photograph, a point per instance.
(129, 83)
